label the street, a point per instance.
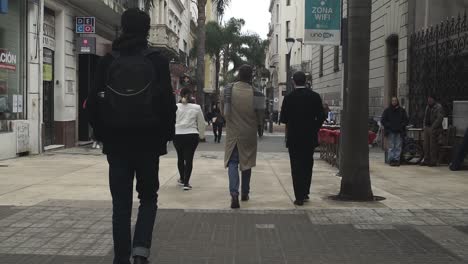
(55, 208)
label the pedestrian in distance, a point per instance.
(433, 119)
(190, 129)
(243, 114)
(394, 120)
(218, 122)
(132, 109)
(460, 154)
(303, 113)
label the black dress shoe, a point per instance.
(235, 202)
(140, 260)
(306, 198)
(299, 202)
(245, 197)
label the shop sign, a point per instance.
(86, 45)
(85, 25)
(7, 60)
(49, 31)
(323, 22)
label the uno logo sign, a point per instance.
(7, 60)
(85, 25)
(324, 35)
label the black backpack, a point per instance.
(129, 94)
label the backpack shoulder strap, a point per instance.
(149, 51)
(115, 54)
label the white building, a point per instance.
(392, 22)
(41, 97)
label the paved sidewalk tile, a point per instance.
(60, 234)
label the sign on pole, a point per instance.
(323, 22)
(85, 25)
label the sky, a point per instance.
(254, 12)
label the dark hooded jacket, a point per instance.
(395, 120)
(153, 140)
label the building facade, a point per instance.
(392, 24)
(43, 88)
(47, 64)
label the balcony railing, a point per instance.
(162, 36)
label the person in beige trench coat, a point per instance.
(242, 120)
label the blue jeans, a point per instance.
(233, 172)
(122, 170)
(394, 147)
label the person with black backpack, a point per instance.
(132, 109)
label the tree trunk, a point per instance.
(355, 183)
(201, 38)
(218, 70)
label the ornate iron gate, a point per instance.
(438, 66)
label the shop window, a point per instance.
(12, 44)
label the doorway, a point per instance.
(392, 68)
(86, 77)
(48, 97)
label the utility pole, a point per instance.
(355, 182)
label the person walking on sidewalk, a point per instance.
(218, 124)
(394, 120)
(433, 119)
(243, 115)
(132, 109)
(190, 129)
(460, 154)
(302, 112)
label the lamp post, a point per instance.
(290, 44)
(271, 102)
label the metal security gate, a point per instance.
(439, 66)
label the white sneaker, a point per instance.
(180, 183)
(98, 146)
(94, 145)
(187, 187)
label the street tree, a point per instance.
(356, 183)
(201, 42)
(200, 37)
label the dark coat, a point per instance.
(394, 120)
(434, 116)
(302, 112)
(152, 140)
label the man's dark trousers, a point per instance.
(122, 170)
(460, 153)
(302, 162)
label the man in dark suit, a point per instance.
(303, 114)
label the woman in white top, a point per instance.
(190, 128)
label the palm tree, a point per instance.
(355, 183)
(214, 45)
(201, 42)
(201, 38)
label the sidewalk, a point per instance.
(55, 208)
